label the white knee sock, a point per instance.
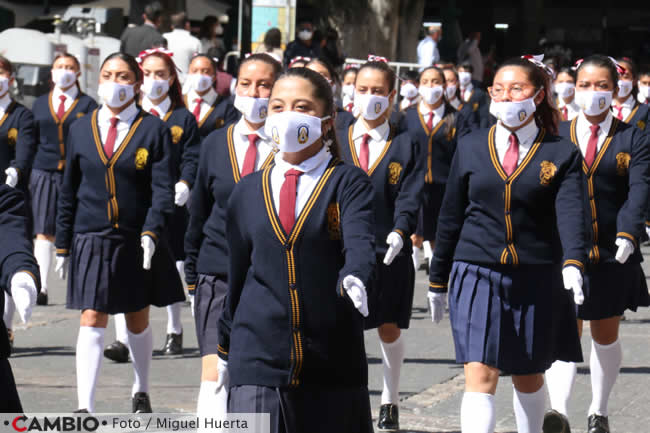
(141, 348)
(120, 329)
(392, 356)
(174, 325)
(10, 309)
(559, 380)
(90, 346)
(529, 410)
(605, 364)
(211, 404)
(180, 268)
(428, 251)
(43, 253)
(415, 256)
(477, 413)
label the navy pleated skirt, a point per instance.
(106, 274)
(432, 195)
(177, 228)
(390, 295)
(44, 189)
(209, 297)
(519, 320)
(612, 288)
(306, 409)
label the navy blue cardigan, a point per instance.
(221, 113)
(17, 142)
(52, 133)
(477, 109)
(16, 252)
(205, 240)
(132, 192)
(186, 143)
(617, 190)
(398, 178)
(639, 116)
(534, 216)
(287, 320)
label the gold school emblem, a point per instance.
(12, 135)
(641, 125)
(622, 163)
(141, 157)
(547, 172)
(79, 115)
(394, 172)
(475, 107)
(177, 133)
(219, 123)
(334, 221)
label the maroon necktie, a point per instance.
(288, 199)
(592, 144)
(251, 155)
(430, 121)
(619, 112)
(364, 153)
(511, 158)
(349, 107)
(154, 112)
(565, 113)
(110, 138)
(197, 109)
(60, 112)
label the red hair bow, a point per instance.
(620, 69)
(299, 59)
(145, 53)
(538, 61)
(373, 58)
(351, 65)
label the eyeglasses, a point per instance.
(516, 91)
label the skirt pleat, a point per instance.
(44, 187)
(208, 307)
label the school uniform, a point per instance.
(186, 145)
(396, 173)
(343, 119)
(633, 113)
(215, 111)
(500, 247)
(568, 111)
(17, 140)
(617, 185)
(206, 265)
(475, 105)
(292, 337)
(107, 204)
(15, 256)
(49, 161)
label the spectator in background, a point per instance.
(210, 36)
(304, 45)
(428, 53)
(182, 43)
(272, 44)
(330, 48)
(139, 38)
(469, 52)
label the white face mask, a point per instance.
(431, 95)
(644, 91)
(63, 78)
(155, 89)
(370, 106)
(450, 91)
(115, 95)
(254, 110)
(594, 103)
(348, 91)
(199, 82)
(624, 88)
(4, 85)
(514, 113)
(465, 78)
(292, 131)
(408, 91)
(305, 35)
(565, 90)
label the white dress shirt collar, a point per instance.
(307, 166)
(380, 133)
(583, 130)
(438, 113)
(242, 129)
(127, 115)
(5, 101)
(70, 94)
(525, 136)
(161, 108)
(208, 98)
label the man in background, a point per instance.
(181, 42)
(304, 45)
(428, 53)
(469, 52)
(139, 38)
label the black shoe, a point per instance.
(80, 411)
(388, 418)
(41, 299)
(555, 422)
(10, 334)
(117, 351)
(597, 424)
(141, 403)
(174, 344)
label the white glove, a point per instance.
(647, 230)
(12, 177)
(356, 291)
(61, 266)
(437, 304)
(395, 244)
(182, 194)
(223, 381)
(191, 304)
(572, 278)
(148, 248)
(23, 291)
(625, 249)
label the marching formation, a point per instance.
(294, 205)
